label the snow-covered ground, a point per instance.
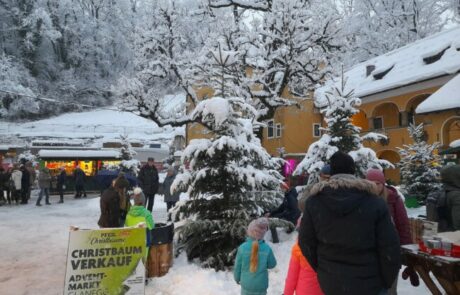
(33, 249)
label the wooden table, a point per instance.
(445, 269)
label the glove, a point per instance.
(409, 272)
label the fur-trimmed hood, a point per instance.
(343, 193)
(346, 181)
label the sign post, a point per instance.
(106, 262)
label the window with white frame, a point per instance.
(278, 130)
(316, 130)
(270, 129)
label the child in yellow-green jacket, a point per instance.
(139, 214)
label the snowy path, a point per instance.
(33, 249)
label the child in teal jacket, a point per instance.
(253, 260)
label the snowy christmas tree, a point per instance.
(26, 156)
(340, 134)
(226, 176)
(127, 153)
(420, 164)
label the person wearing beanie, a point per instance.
(253, 259)
(397, 211)
(347, 235)
(139, 214)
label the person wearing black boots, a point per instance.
(25, 184)
(61, 184)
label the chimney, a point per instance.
(369, 69)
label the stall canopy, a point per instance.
(447, 97)
(79, 154)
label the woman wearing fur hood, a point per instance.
(347, 235)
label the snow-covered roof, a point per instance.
(431, 57)
(59, 154)
(4, 147)
(96, 125)
(61, 142)
(447, 97)
(455, 143)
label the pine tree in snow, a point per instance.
(340, 134)
(127, 153)
(420, 164)
(223, 173)
(26, 156)
(227, 173)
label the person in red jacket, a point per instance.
(397, 211)
(301, 277)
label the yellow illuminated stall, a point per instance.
(90, 161)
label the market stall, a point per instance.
(90, 161)
(446, 270)
(434, 255)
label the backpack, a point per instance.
(436, 209)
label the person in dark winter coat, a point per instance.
(450, 178)
(148, 181)
(60, 184)
(170, 198)
(79, 176)
(289, 209)
(110, 206)
(25, 184)
(44, 183)
(123, 185)
(3, 184)
(32, 177)
(347, 235)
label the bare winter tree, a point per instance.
(286, 48)
(374, 27)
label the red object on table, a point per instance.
(440, 252)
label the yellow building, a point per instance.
(414, 83)
(417, 83)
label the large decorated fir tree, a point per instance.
(225, 175)
(420, 164)
(340, 135)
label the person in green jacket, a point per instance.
(253, 259)
(450, 178)
(139, 214)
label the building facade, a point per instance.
(418, 83)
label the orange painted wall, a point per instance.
(297, 128)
